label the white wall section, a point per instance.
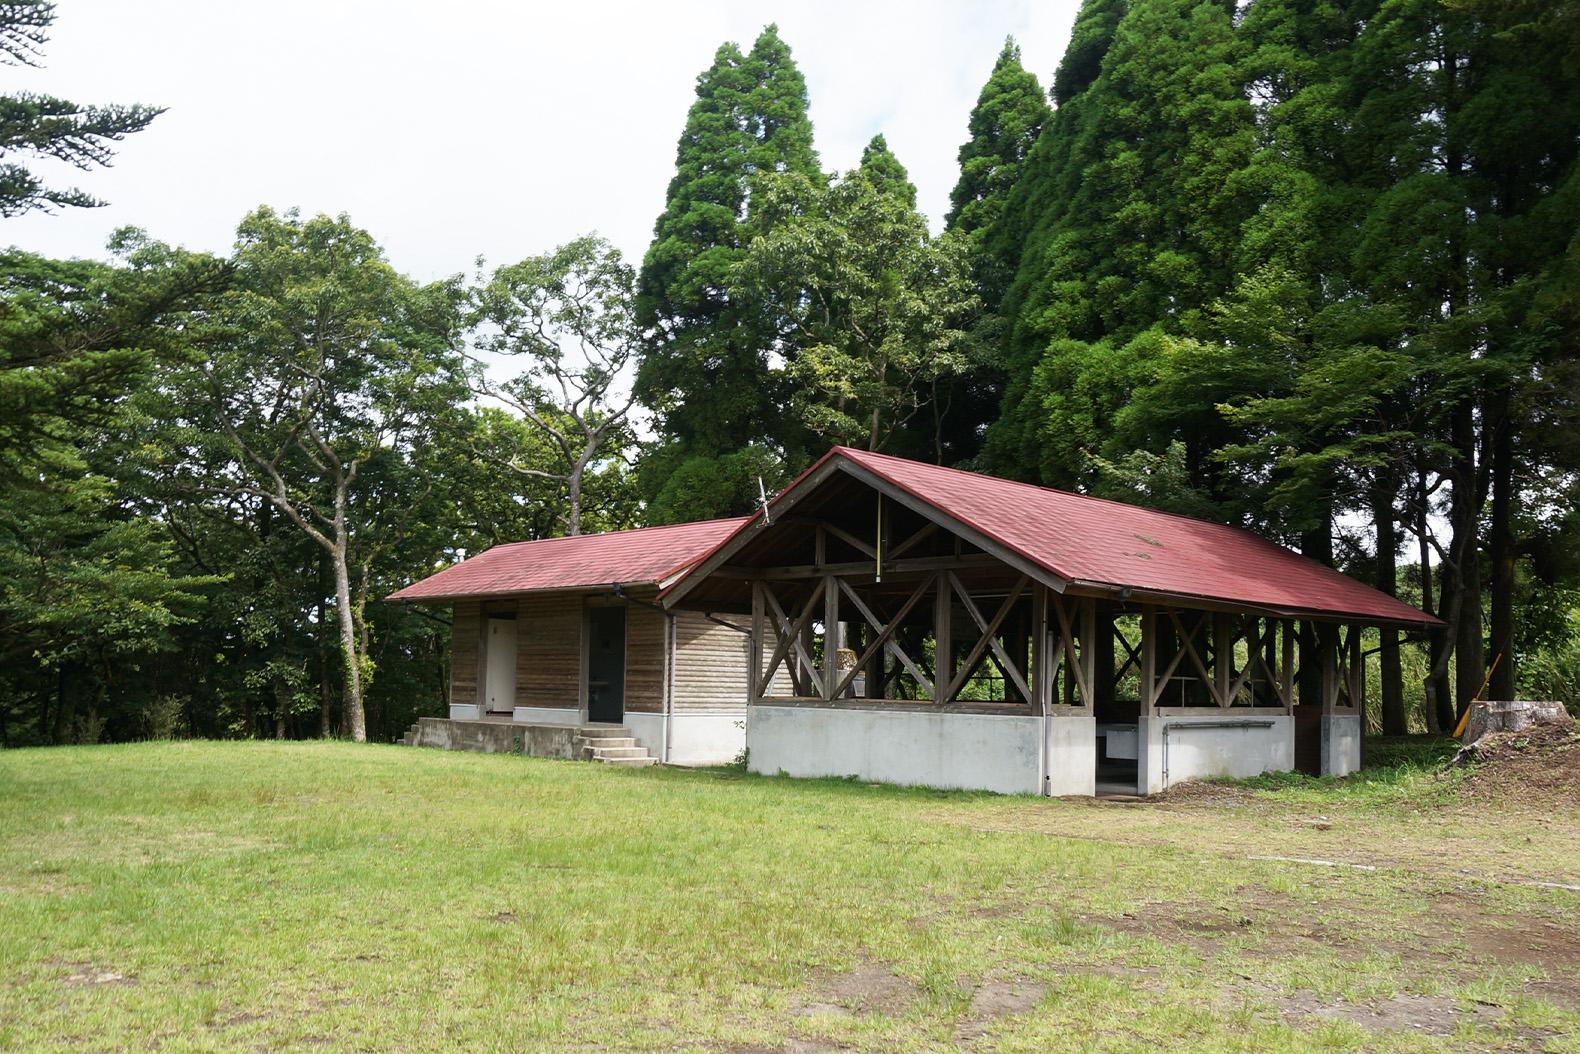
(994, 752)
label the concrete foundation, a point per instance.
(497, 737)
(1173, 749)
(891, 744)
(1341, 744)
(1072, 754)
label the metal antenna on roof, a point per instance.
(762, 500)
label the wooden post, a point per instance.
(755, 687)
(830, 639)
(1222, 658)
(1286, 664)
(1089, 652)
(1357, 670)
(1327, 661)
(1041, 681)
(1149, 659)
(943, 638)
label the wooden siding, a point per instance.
(644, 659)
(465, 631)
(549, 651)
(710, 665)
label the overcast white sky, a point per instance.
(482, 128)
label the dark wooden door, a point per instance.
(606, 664)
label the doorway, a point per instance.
(606, 664)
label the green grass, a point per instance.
(252, 896)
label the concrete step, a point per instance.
(615, 753)
(606, 741)
(603, 731)
(635, 763)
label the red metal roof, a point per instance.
(645, 555)
(1093, 541)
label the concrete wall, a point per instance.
(547, 715)
(1072, 755)
(694, 739)
(1196, 749)
(496, 737)
(1341, 744)
(995, 752)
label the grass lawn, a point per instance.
(254, 896)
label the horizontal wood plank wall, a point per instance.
(465, 630)
(549, 651)
(644, 659)
(710, 666)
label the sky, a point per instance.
(471, 128)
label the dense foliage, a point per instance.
(1304, 266)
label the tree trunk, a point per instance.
(282, 703)
(1435, 686)
(352, 695)
(1393, 716)
(1469, 667)
(1501, 545)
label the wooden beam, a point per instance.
(989, 638)
(885, 634)
(1188, 647)
(959, 528)
(792, 634)
(857, 568)
(1072, 660)
(927, 530)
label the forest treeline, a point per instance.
(1308, 267)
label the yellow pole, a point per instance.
(1464, 719)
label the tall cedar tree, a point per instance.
(1130, 208)
(1009, 114)
(705, 373)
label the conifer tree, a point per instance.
(883, 170)
(705, 373)
(47, 127)
(1009, 113)
(1131, 210)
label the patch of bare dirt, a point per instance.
(1517, 940)
(1427, 1015)
(870, 988)
(995, 999)
(1538, 767)
(789, 1046)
